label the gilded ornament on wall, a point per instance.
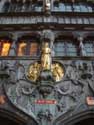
(45, 64)
(33, 71)
(57, 72)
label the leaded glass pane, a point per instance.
(89, 48)
(68, 8)
(65, 48)
(67, 20)
(73, 20)
(71, 49)
(76, 8)
(59, 49)
(62, 7)
(89, 9)
(86, 20)
(83, 8)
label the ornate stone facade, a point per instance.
(49, 82)
(68, 96)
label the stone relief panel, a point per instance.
(46, 102)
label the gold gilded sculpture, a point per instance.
(45, 66)
(34, 71)
(57, 72)
(46, 57)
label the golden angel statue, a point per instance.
(57, 72)
(34, 71)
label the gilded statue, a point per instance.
(34, 71)
(46, 57)
(57, 72)
(55, 69)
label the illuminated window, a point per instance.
(4, 47)
(22, 49)
(34, 49)
(27, 47)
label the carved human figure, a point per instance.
(34, 72)
(57, 72)
(82, 47)
(46, 57)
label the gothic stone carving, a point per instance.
(66, 96)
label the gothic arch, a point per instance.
(73, 119)
(8, 115)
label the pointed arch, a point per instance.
(73, 119)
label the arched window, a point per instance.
(5, 45)
(28, 46)
(65, 48)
